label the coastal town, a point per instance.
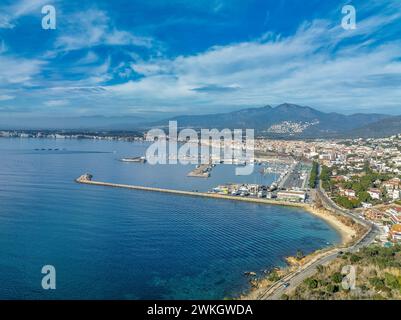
(353, 184)
(362, 175)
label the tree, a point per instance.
(337, 277)
(346, 203)
(313, 175)
(300, 254)
(311, 283)
(363, 196)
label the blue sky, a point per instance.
(139, 58)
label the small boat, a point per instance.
(134, 159)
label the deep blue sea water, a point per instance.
(110, 243)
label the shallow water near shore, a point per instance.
(122, 244)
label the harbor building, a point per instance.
(291, 195)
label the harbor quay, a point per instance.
(88, 179)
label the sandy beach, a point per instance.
(347, 232)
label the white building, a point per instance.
(292, 195)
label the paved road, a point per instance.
(294, 279)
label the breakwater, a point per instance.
(87, 179)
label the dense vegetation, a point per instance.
(360, 183)
(378, 276)
(344, 202)
(313, 175)
(325, 175)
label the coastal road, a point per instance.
(294, 279)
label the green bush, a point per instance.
(392, 281)
(377, 283)
(273, 276)
(311, 283)
(313, 175)
(331, 288)
(354, 258)
(337, 277)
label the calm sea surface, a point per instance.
(110, 243)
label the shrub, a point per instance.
(392, 281)
(354, 258)
(337, 277)
(332, 288)
(377, 283)
(273, 276)
(311, 283)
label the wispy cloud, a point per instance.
(314, 66)
(56, 103)
(6, 97)
(93, 62)
(15, 70)
(92, 28)
(11, 13)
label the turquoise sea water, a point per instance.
(122, 244)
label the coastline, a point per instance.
(349, 234)
(347, 230)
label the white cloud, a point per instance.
(5, 21)
(3, 47)
(89, 58)
(314, 66)
(9, 14)
(92, 28)
(18, 70)
(6, 97)
(56, 103)
(320, 65)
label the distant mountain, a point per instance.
(385, 127)
(285, 120)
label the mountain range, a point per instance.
(290, 120)
(283, 121)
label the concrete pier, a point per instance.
(87, 179)
(200, 172)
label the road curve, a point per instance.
(294, 279)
